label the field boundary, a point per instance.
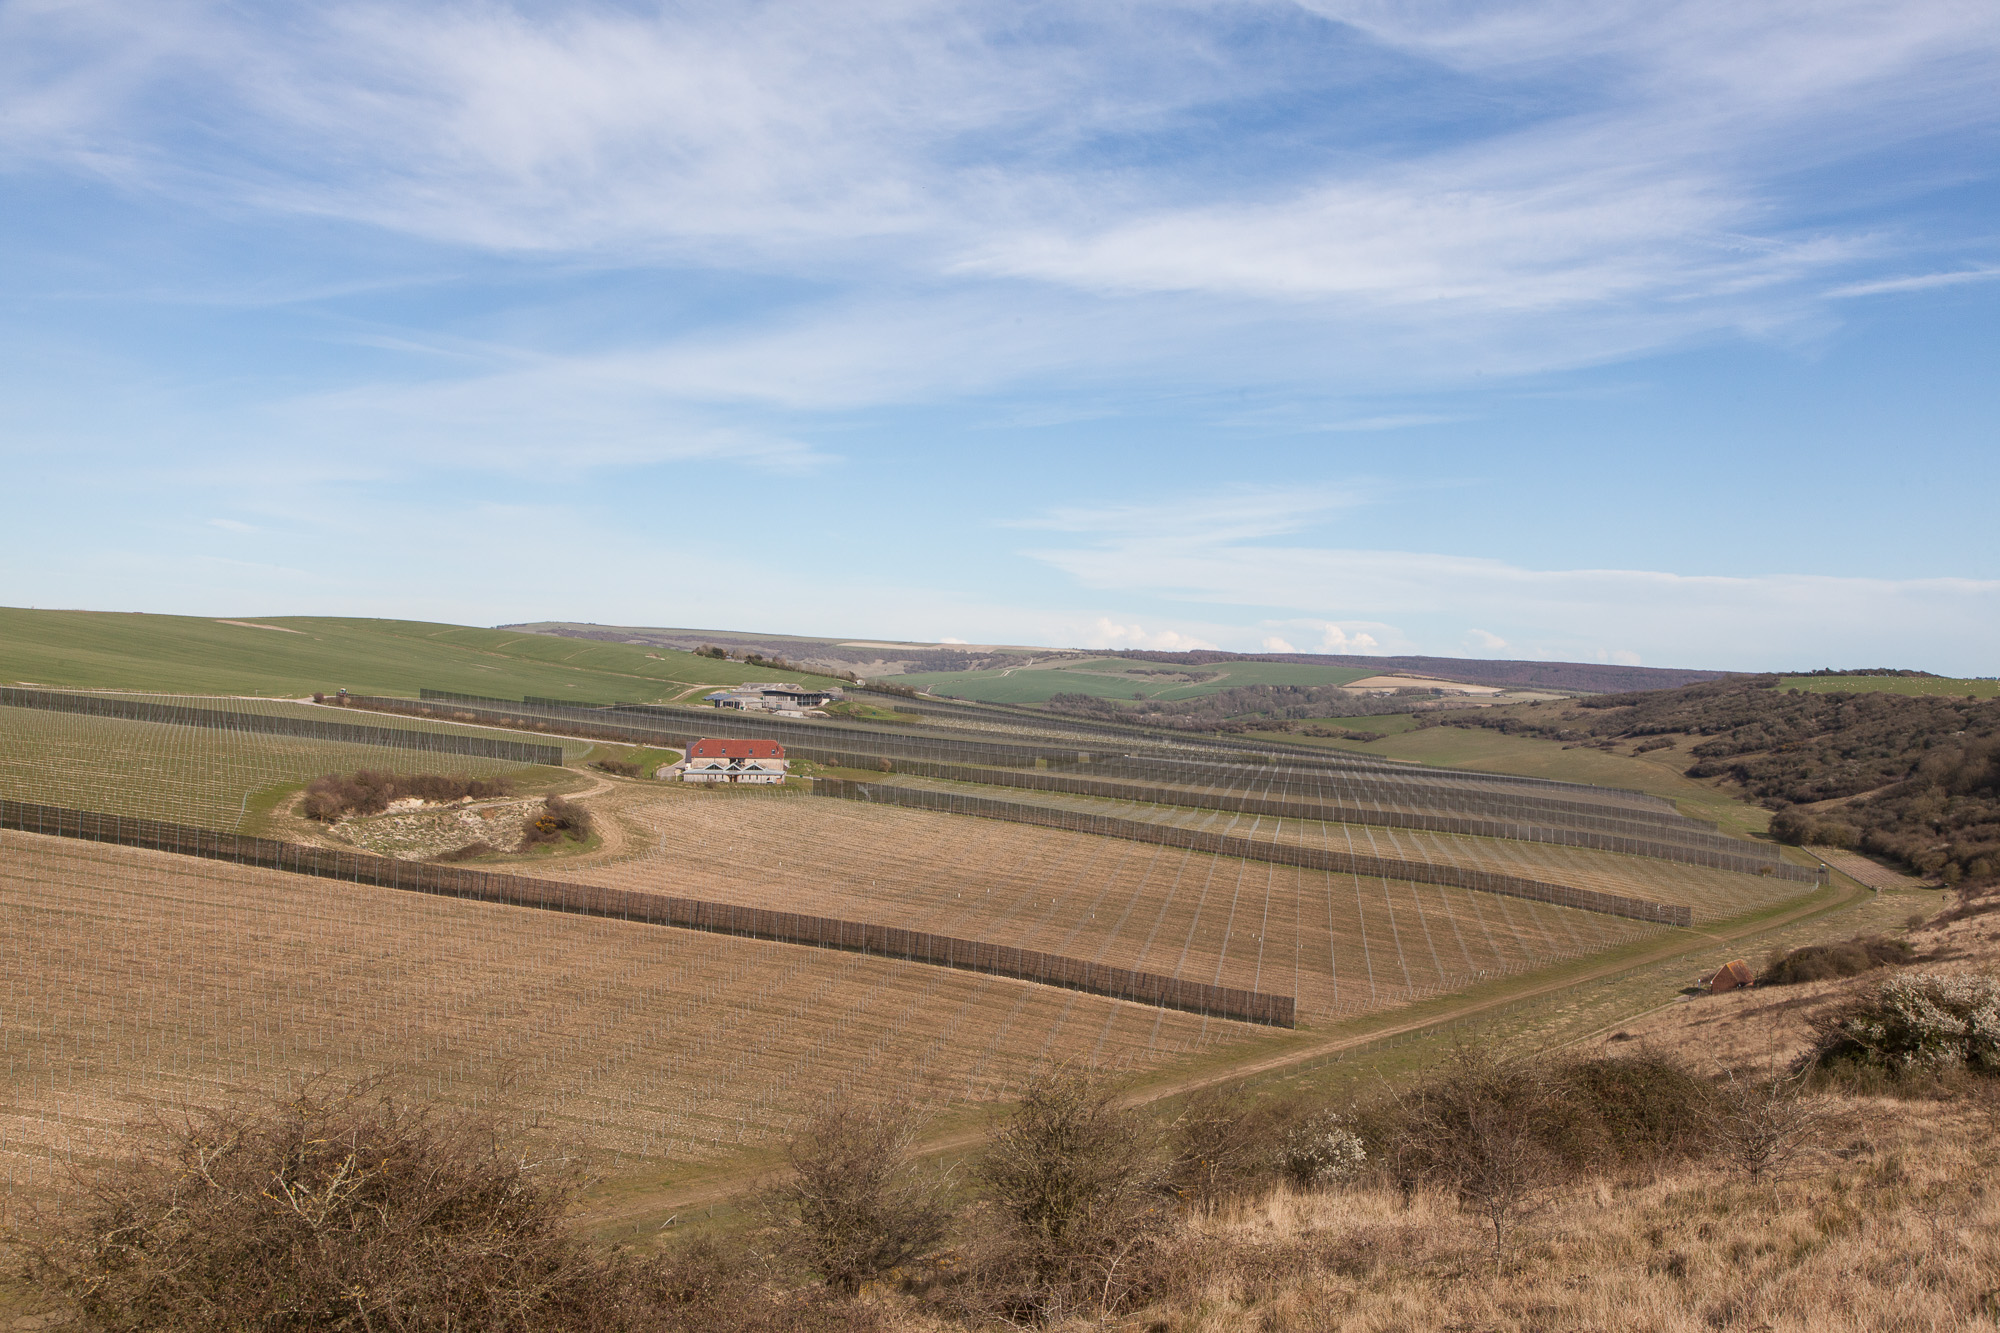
(1352, 863)
(270, 724)
(658, 909)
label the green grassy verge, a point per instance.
(195, 655)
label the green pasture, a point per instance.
(1119, 678)
(197, 655)
(1939, 685)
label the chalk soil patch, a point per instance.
(419, 833)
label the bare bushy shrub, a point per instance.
(1638, 1110)
(856, 1206)
(1076, 1187)
(1826, 962)
(332, 1209)
(342, 1209)
(1215, 1146)
(618, 768)
(368, 791)
(1918, 1023)
(1482, 1128)
(1767, 1123)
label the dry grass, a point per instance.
(1899, 1231)
(1770, 1026)
(1340, 943)
(153, 979)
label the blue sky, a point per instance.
(1654, 332)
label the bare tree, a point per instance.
(1214, 1145)
(859, 1204)
(1766, 1122)
(1483, 1128)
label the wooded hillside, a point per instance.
(1916, 778)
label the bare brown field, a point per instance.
(1342, 944)
(139, 979)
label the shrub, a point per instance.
(330, 1209)
(1791, 826)
(1825, 962)
(857, 1207)
(1630, 1110)
(1918, 1023)
(1323, 1150)
(1075, 1186)
(1488, 1130)
(558, 819)
(1762, 1124)
(368, 791)
(1214, 1146)
(618, 767)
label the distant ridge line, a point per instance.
(1590, 677)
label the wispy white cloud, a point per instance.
(1752, 619)
(1917, 282)
(1107, 633)
(948, 139)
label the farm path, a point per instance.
(723, 1187)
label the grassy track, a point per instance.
(194, 655)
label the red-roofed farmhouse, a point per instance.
(718, 760)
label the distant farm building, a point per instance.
(714, 760)
(774, 698)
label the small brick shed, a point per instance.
(1730, 976)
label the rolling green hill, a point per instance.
(1120, 678)
(288, 656)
